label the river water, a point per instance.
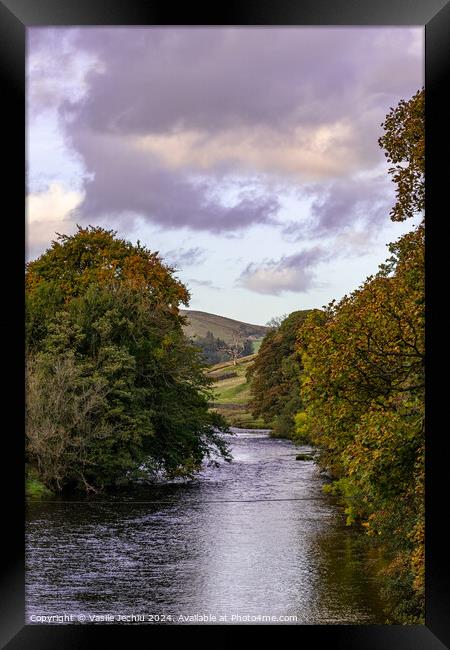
(252, 538)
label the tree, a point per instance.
(363, 383)
(363, 391)
(404, 145)
(61, 407)
(275, 321)
(212, 348)
(275, 376)
(234, 348)
(104, 338)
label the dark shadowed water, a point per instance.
(209, 552)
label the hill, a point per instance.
(201, 322)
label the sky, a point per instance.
(247, 156)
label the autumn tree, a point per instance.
(113, 385)
(404, 146)
(363, 383)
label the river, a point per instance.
(253, 538)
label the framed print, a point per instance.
(232, 415)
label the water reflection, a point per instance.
(202, 552)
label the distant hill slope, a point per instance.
(200, 322)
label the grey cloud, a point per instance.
(343, 206)
(182, 257)
(290, 273)
(158, 79)
(205, 283)
(129, 182)
(264, 81)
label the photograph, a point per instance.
(225, 325)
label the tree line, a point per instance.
(350, 380)
(216, 350)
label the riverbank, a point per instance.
(34, 488)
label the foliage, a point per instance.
(300, 434)
(363, 385)
(274, 376)
(214, 350)
(34, 488)
(211, 348)
(404, 145)
(111, 379)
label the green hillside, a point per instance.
(232, 393)
(200, 322)
(231, 390)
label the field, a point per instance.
(232, 393)
(256, 344)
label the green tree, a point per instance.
(274, 376)
(108, 312)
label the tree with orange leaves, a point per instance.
(114, 388)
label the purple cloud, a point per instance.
(127, 183)
(182, 257)
(156, 109)
(205, 283)
(290, 273)
(344, 205)
(159, 79)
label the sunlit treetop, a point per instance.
(404, 146)
(94, 255)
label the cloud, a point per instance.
(56, 70)
(155, 80)
(271, 99)
(291, 273)
(148, 110)
(305, 154)
(205, 283)
(182, 257)
(49, 212)
(345, 207)
(129, 183)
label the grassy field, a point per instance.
(231, 389)
(256, 345)
(201, 322)
(232, 393)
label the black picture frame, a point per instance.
(15, 17)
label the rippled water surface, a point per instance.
(207, 550)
